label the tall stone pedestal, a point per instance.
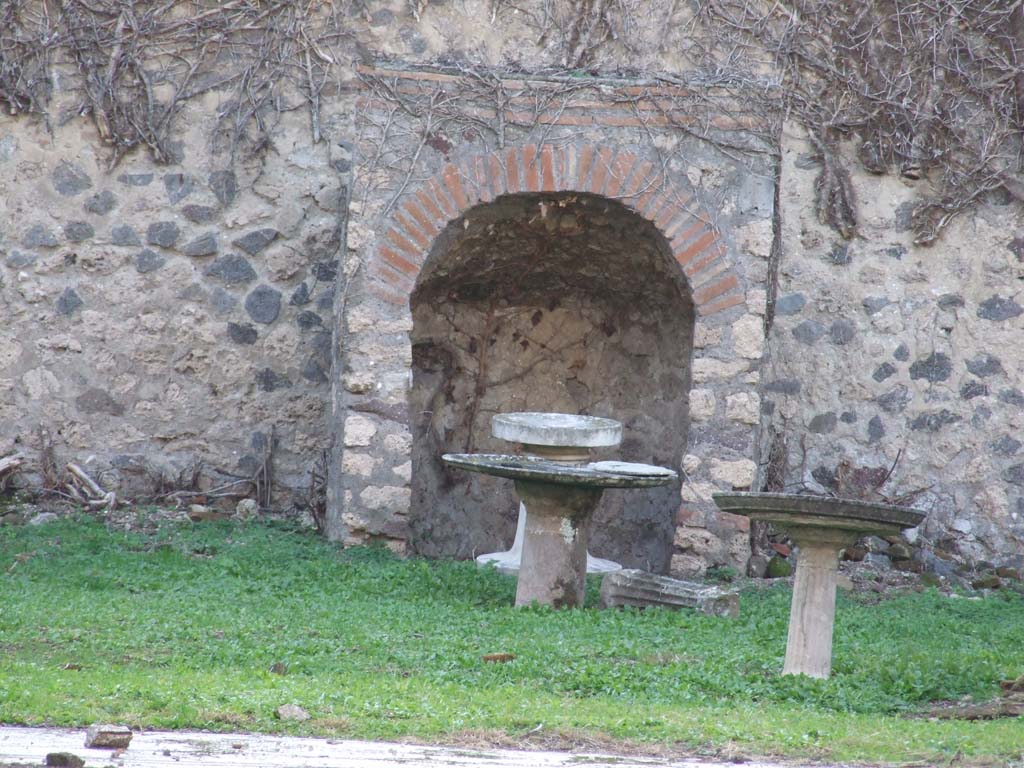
(554, 566)
(812, 613)
(821, 527)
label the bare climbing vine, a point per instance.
(138, 62)
(932, 90)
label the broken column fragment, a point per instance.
(643, 589)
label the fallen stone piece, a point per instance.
(108, 736)
(1011, 705)
(199, 512)
(292, 712)
(64, 760)
(1010, 687)
(639, 588)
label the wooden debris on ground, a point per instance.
(1009, 704)
(9, 465)
(83, 489)
(498, 658)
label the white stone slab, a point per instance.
(557, 429)
(630, 468)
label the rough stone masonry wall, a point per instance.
(163, 321)
(882, 350)
(407, 192)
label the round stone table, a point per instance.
(821, 527)
(560, 499)
(560, 437)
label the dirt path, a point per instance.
(187, 749)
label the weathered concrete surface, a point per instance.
(184, 749)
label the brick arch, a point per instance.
(399, 255)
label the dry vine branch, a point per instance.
(138, 62)
(9, 466)
(929, 90)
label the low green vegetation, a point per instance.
(216, 625)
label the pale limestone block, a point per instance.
(756, 238)
(359, 464)
(40, 383)
(353, 521)
(282, 341)
(108, 736)
(757, 300)
(404, 471)
(359, 431)
(788, 408)
(978, 470)
(888, 320)
(400, 443)
(702, 404)
(737, 474)
(700, 541)
(705, 336)
(383, 354)
(79, 435)
(691, 463)
(707, 369)
(282, 264)
(690, 566)
(289, 217)
(10, 351)
(992, 503)
(398, 546)
(387, 497)
(697, 491)
(738, 550)
(359, 235)
(748, 337)
(357, 382)
(744, 408)
(355, 539)
(59, 342)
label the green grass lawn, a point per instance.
(180, 629)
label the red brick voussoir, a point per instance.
(638, 184)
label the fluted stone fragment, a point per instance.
(643, 589)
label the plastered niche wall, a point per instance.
(565, 303)
(466, 197)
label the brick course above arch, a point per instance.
(422, 214)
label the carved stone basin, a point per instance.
(821, 527)
(559, 500)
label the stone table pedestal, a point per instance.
(812, 613)
(559, 500)
(821, 527)
(559, 437)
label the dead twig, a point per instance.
(9, 466)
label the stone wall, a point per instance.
(159, 320)
(712, 213)
(886, 355)
(161, 323)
